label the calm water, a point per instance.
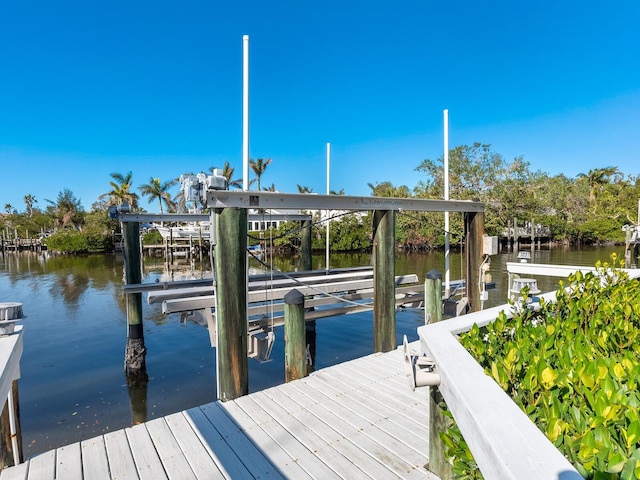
(73, 385)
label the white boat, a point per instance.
(186, 231)
(255, 250)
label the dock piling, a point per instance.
(231, 293)
(305, 248)
(438, 421)
(135, 351)
(384, 265)
(295, 351)
(474, 227)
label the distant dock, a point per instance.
(21, 244)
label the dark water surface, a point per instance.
(73, 385)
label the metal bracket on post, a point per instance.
(421, 370)
(259, 345)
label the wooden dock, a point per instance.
(21, 244)
(355, 420)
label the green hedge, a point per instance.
(74, 241)
(152, 237)
(573, 368)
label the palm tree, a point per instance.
(8, 207)
(66, 210)
(179, 203)
(156, 189)
(121, 191)
(598, 178)
(272, 188)
(259, 166)
(29, 200)
(304, 189)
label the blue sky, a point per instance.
(91, 88)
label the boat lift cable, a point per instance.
(311, 287)
(299, 229)
(271, 268)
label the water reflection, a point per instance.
(73, 385)
(137, 386)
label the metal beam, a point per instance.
(293, 201)
(205, 217)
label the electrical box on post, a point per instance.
(490, 245)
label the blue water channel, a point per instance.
(73, 384)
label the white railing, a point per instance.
(557, 270)
(505, 443)
(11, 347)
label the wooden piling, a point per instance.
(295, 351)
(231, 291)
(433, 297)
(170, 246)
(438, 421)
(135, 351)
(8, 443)
(474, 227)
(533, 236)
(384, 304)
(305, 247)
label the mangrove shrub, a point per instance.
(573, 368)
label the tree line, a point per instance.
(590, 208)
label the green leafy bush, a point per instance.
(573, 368)
(74, 241)
(152, 237)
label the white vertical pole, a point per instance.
(447, 276)
(245, 165)
(328, 211)
(245, 112)
(12, 424)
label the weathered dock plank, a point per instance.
(393, 397)
(369, 436)
(225, 458)
(148, 464)
(94, 458)
(201, 462)
(369, 456)
(19, 472)
(247, 453)
(358, 419)
(43, 466)
(284, 439)
(120, 458)
(286, 464)
(69, 462)
(310, 438)
(172, 457)
(353, 412)
(329, 431)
